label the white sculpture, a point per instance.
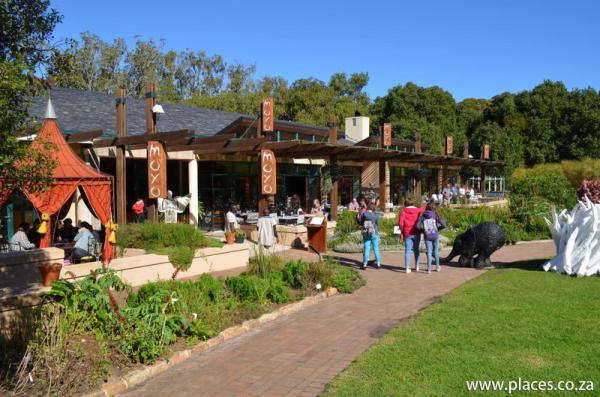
(172, 206)
(577, 238)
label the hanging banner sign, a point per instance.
(486, 152)
(268, 173)
(449, 145)
(157, 170)
(387, 134)
(267, 111)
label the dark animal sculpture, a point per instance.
(481, 240)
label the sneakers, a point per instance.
(428, 271)
(417, 269)
(408, 270)
(378, 266)
(364, 267)
(438, 269)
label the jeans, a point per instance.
(411, 243)
(374, 241)
(432, 246)
(78, 253)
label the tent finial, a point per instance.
(50, 114)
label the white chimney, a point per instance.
(357, 128)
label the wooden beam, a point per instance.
(83, 136)
(165, 137)
(120, 158)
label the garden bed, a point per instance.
(100, 324)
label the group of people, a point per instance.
(83, 237)
(448, 193)
(413, 222)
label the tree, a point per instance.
(506, 145)
(91, 64)
(25, 31)
(414, 110)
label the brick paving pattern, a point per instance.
(297, 355)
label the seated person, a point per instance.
(354, 206)
(84, 242)
(19, 241)
(316, 209)
(68, 232)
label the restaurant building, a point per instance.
(213, 155)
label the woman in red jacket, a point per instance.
(412, 236)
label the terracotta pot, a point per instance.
(50, 272)
(230, 238)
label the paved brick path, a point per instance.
(298, 354)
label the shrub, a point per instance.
(346, 223)
(590, 189)
(292, 273)
(178, 241)
(278, 292)
(550, 186)
(263, 264)
(347, 280)
(248, 288)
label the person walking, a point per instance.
(431, 224)
(370, 232)
(412, 236)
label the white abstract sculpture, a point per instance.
(577, 238)
(172, 206)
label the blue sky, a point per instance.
(470, 48)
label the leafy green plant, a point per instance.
(292, 272)
(248, 287)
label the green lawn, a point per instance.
(506, 324)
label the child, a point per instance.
(412, 236)
(430, 224)
(370, 225)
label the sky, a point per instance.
(469, 48)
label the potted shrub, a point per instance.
(230, 237)
(240, 236)
(50, 272)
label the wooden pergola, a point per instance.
(229, 144)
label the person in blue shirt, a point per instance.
(84, 242)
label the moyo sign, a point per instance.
(267, 115)
(157, 170)
(268, 173)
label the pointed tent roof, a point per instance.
(69, 164)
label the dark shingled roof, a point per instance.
(79, 110)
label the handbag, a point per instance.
(397, 230)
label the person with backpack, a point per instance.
(431, 224)
(410, 233)
(370, 232)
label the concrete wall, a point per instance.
(20, 269)
(141, 269)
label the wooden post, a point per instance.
(466, 150)
(334, 196)
(382, 185)
(121, 169)
(151, 129)
(418, 149)
(265, 124)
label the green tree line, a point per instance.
(546, 124)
